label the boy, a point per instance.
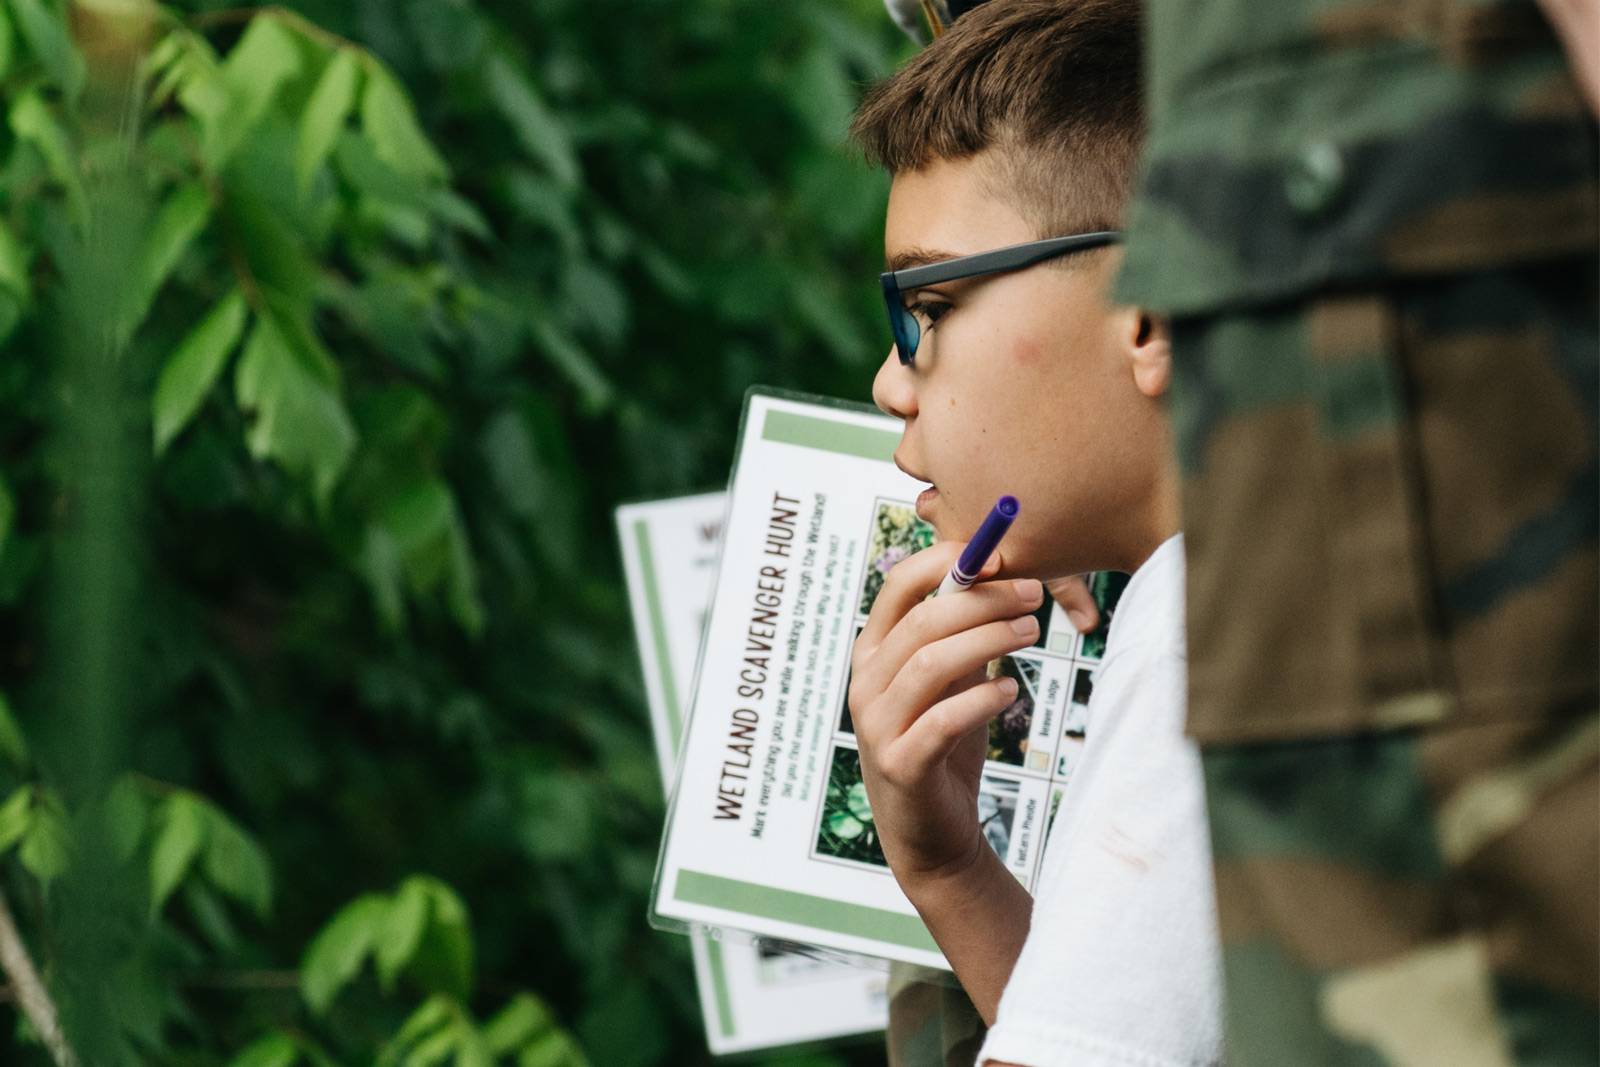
(1019, 125)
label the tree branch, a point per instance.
(30, 992)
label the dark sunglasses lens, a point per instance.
(902, 324)
(906, 333)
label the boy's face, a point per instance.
(1025, 385)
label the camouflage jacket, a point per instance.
(1303, 144)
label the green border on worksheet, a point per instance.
(828, 435)
(658, 633)
(802, 909)
(719, 985)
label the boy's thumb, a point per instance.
(1072, 593)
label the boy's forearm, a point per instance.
(980, 918)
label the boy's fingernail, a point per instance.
(1028, 590)
(1025, 626)
(1008, 687)
(1080, 619)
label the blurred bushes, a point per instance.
(331, 337)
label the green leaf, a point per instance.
(418, 516)
(448, 907)
(539, 201)
(126, 814)
(593, 298)
(668, 274)
(519, 1022)
(182, 832)
(210, 917)
(274, 1050)
(402, 930)
(8, 44)
(12, 743)
(14, 268)
(263, 61)
(382, 567)
(16, 815)
(194, 368)
(44, 27)
(435, 1012)
(358, 163)
(462, 583)
(235, 864)
(202, 90)
(325, 115)
(337, 953)
(290, 389)
(315, 1056)
(420, 528)
(44, 849)
(8, 514)
(391, 125)
(274, 245)
(180, 219)
(164, 56)
(32, 121)
(471, 1051)
(434, 1050)
(443, 961)
(165, 68)
(554, 1049)
(595, 391)
(461, 213)
(537, 129)
(10, 313)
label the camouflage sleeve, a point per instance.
(1306, 143)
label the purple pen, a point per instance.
(981, 547)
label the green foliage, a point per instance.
(421, 931)
(195, 367)
(395, 300)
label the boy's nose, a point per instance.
(892, 388)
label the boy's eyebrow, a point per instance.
(907, 258)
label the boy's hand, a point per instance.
(921, 706)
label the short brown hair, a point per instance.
(1052, 84)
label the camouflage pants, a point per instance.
(1391, 515)
(931, 1021)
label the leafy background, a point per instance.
(332, 335)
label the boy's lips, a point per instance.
(926, 498)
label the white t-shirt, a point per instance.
(1121, 966)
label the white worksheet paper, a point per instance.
(769, 829)
(752, 995)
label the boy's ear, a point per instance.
(1149, 352)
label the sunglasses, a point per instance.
(903, 323)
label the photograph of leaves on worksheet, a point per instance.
(847, 831)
